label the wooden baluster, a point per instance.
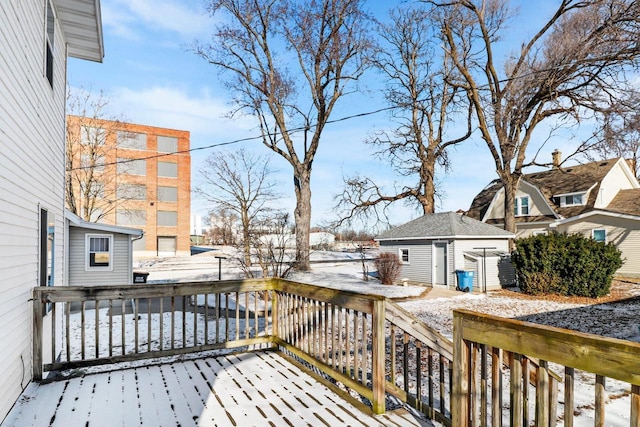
(392, 352)
(173, 322)
(161, 316)
(542, 394)
(405, 361)
(237, 316)
(217, 324)
(136, 316)
(473, 383)
(122, 325)
(483, 386)
(347, 350)
(600, 401)
(110, 327)
(83, 325)
(96, 327)
(515, 394)
(635, 406)
(54, 328)
(195, 320)
(149, 300)
(418, 376)
(184, 321)
(67, 326)
(430, 381)
(525, 390)
(496, 387)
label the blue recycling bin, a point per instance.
(465, 280)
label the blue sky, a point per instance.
(153, 79)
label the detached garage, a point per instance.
(98, 254)
(432, 247)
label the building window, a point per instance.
(132, 167)
(403, 254)
(168, 169)
(51, 25)
(167, 144)
(131, 217)
(599, 235)
(96, 162)
(131, 192)
(521, 207)
(167, 219)
(572, 200)
(167, 194)
(132, 140)
(92, 136)
(99, 251)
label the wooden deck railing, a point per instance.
(481, 342)
(365, 342)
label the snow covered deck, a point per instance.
(247, 389)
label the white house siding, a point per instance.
(463, 246)
(419, 267)
(31, 175)
(537, 204)
(624, 233)
(525, 229)
(613, 182)
(78, 276)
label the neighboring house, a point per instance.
(36, 36)
(98, 254)
(599, 199)
(432, 247)
(146, 182)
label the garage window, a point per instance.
(99, 252)
(403, 254)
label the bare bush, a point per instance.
(388, 265)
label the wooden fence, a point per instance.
(365, 342)
(482, 343)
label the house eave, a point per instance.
(76, 221)
(452, 237)
(82, 24)
(595, 212)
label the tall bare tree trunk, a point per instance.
(302, 216)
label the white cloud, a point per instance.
(202, 114)
(127, 18)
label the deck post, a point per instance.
(378, 355)
(275, 314)
(460, 391)
(37, 325)
(635, 405)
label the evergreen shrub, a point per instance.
(565, 264)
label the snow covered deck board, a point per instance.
(248, 389)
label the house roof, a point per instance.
(444, 225)
(626, 202)
(553, 182)
(82, 24)
(76, 221)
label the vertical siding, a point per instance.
(121, 273)
(419, 268)
(624, 233)
(31, 174)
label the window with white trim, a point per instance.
(599, 235)
(572, 200)
(50, 36)
(99, 251)
(403, 254)
(521, 207)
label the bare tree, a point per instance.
(619, 132)
(240, 182)
(269, 238)
(90, 190)
(417, 73)
(222, 223)
(571, 67)
(288, 63)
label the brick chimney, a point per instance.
(556, 157)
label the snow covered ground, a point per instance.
(616, 316)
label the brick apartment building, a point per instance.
(132, 175)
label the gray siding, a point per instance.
(78, 276)
(31, 175)
(419, 268)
